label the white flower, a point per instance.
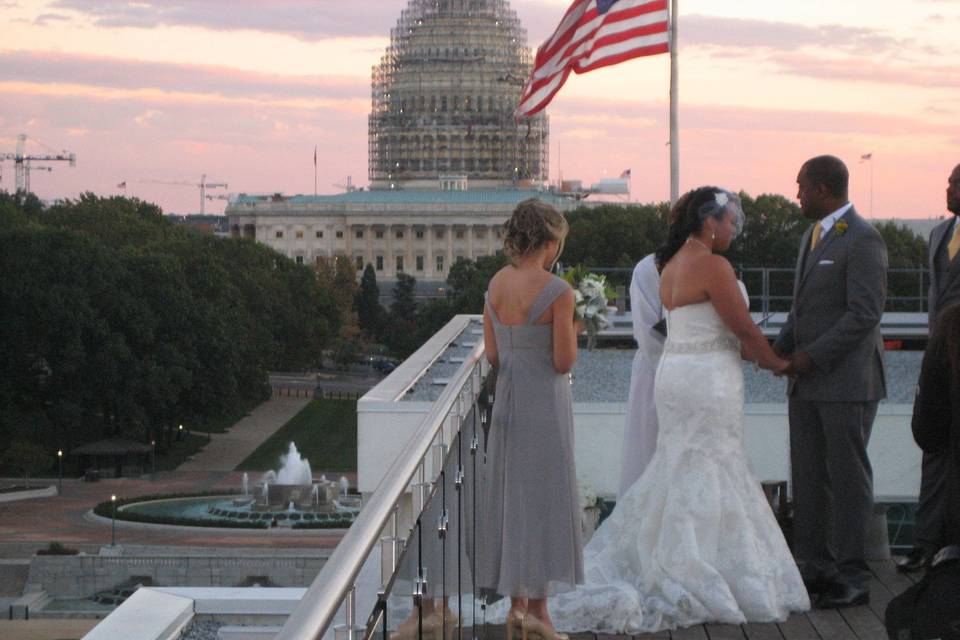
(722, 198)
(592, 287)
(588, 494)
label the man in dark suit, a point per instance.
(832, 337)
(944, 290)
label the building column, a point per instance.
(491, 232)
(430, 270)
(449, 261)
(368, 234)
(388, 260)
(408, 264)
(471, 229)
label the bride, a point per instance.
(693, 540)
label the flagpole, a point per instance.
(314, 170)
(674, 124)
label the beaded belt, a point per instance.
(723, 343)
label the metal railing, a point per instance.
(771, 288)
(427, 480)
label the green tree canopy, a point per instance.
(119, 323)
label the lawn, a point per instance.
(325, 432)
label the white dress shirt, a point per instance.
(828, 221)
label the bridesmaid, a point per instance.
(530, 501)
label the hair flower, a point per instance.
(722, 198)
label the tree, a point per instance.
(400, 333)
(906, 250)
(367, 303)
(468, 280)
(27, 459)
(118, 323)
(612, 235)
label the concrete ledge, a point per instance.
(29, 494)
(149, 614)
(247, 633)
(21, 607)
(162, 613)
(238, 600)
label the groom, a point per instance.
(832, 337)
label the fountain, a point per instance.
(292, 484)
(287, 496)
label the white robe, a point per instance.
(640, 433)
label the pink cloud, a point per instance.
(96, 71)
(868, 70)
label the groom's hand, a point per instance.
(801, 364)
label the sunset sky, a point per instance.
(242, 90)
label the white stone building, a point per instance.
(420, 233)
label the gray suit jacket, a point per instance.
(839, 294)
(944, 287)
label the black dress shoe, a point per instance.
(916, 560)
(816, 586)
(841, 594)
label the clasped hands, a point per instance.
(799, 363)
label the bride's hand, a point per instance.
(781, 367)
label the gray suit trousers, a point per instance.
(831, 475)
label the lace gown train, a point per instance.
(693, 540)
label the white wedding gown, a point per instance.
(693, 540)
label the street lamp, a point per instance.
(179, 433)
(59, 471)
(153, 456)
(113, 521)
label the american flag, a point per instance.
(594, 34)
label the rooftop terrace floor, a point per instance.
(855, 623)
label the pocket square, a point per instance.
(825, 262)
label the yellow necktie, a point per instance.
(954, 245)
(815, 238)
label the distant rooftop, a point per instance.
(386, 196)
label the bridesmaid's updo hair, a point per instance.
(690, 212)
(533, 224)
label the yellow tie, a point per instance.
(815, 238)
(954, 245)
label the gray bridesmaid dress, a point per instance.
(530, 505)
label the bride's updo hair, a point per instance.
(533, 224)
(692, 209)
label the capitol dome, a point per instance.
(443, 99)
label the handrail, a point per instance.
(315, 611)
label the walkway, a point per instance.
(227, 450)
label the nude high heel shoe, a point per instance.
(514, 622)
(534, 628)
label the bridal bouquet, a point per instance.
(592, 295)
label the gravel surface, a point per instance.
(201, 630)
(428, 387)
(603, 375)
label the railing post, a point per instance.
(349, 630)
(765, 287)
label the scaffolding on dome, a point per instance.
(443, 97)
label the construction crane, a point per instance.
(21, 161)
(203, 185)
